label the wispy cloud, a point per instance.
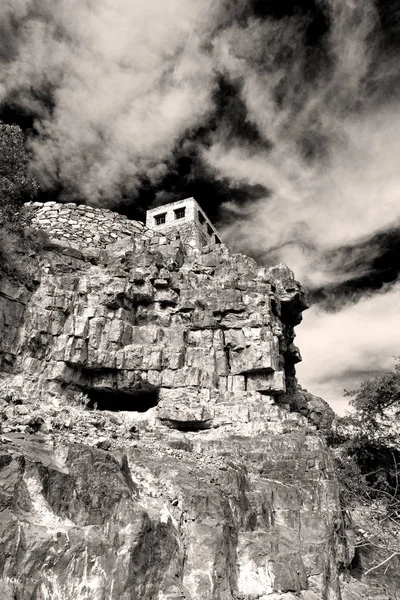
(313, 209)
(125, 80)
(343, 348)
(332, 167)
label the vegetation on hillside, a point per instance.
(16, 187)
(366, 445)
(368, 439)
(16, 184)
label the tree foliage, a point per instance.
(16, 184)
(377, 404)
(367, 452)
(16, 187)
(373, 432)
(367, 440)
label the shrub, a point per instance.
(16, 184)
(16, 187)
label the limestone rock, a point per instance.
(252, 519)
(210, 481)
(151, 314)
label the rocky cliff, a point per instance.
(155, 444)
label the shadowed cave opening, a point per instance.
(189, 426)
(116, 400)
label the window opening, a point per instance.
(209, 230)
(201, 217)
(180, 212)
(160, 219)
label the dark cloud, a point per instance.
(375, 263)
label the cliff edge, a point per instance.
(155, 443)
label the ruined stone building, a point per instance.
(95, 228)
(188, 218)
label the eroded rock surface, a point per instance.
(224, 518)
(216, 485)
(209, 334)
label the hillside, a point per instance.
(155, 443)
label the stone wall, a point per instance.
(85, 227)
(80, 226)
(191, 234)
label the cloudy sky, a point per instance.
(281, 117)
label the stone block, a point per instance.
(161, 283)
(153, 378)
(236, 383)
(131, 357)
(193, 416)
(269, 382)
(235, 339)
(166, 296)
(114, 330)
(152, 359)
(146, 334)
(221, 362)
(76, 351)
(203, 319)
(59, 370)
(253, 358)
(174, 358)
(203, 338)
(186, 377)
(174, 337)
(228, 413)
(203, 358)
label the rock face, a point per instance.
(225, 518)
(217, 485)
(207, 336)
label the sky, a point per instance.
(281, 117)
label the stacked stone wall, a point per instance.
(82, 227)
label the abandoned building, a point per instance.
(188, 217)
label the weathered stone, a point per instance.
(103, 444)
(223, 493)
(268, 382)
(38, 424)
(253, 358)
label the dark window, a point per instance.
(201, 217)
(209, 230)
(217, 240)
(160, 219)
(180, 212)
